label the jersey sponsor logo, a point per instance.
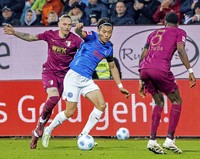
(97, 54)
(70, 94)
(58, 49)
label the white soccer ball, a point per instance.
(85, 142)
(122, 133)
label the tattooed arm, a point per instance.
(8, 29)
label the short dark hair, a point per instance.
(197, 5)
(171, 18)
(104, 21)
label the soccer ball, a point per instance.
(85, 142)
(122, 133)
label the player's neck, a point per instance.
(101, 41)
(61, 35)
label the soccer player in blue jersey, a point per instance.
(157, 78)
(78, 80)
(62, 46)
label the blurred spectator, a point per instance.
(30, 18)
(95, 7)
(121, 16)
(187, 6)
(37, 7)
(195, 19)
(15, 5)
(187, 9)
(143, 11)
(8, 16)
(93, 20)
(68, 5)
(53, 19)
(51, 5)
(76, 14)
(166, 7)
(27, 6)
(128, 3)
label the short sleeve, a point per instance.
(181, 38)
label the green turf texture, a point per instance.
(108, 148)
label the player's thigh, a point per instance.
(50, 83)
(145, 76)
(72, 87)
(165, 82)
(96, 97)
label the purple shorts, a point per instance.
(158, 81)
(49, 80)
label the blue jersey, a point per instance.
(91, 52)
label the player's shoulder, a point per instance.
(51, 32)
(181, 30)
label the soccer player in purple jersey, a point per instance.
(156, 78)
(62, 46)
(78, 81)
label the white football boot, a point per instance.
(170, 145)
(155, 147)
(45, 138)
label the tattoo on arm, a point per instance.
(26, 36)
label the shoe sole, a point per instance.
(174, 150)
(154, 151)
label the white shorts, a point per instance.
(76, 84)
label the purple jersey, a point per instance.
(162, 45)
(61, 51)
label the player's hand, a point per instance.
(192, 80)
(125, 91)
(79, 26)
(8, 29)
(142, 91)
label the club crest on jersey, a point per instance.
(70, 94)
(183, 39)
(89, 33)
(68, 43)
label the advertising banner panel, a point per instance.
(21, 103)
(23, 60)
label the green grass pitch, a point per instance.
(108, 148)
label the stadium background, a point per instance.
(22, 95)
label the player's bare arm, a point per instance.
(116, 77)
(184, 58)
(143, 54)
(8, 29)
(141, 83)
(79, 31)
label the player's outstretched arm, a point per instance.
(8, 29)
(78, 30)
(116, 77)
(184, 58)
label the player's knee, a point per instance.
(101, 106)
(177, 100)
(69, 113)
